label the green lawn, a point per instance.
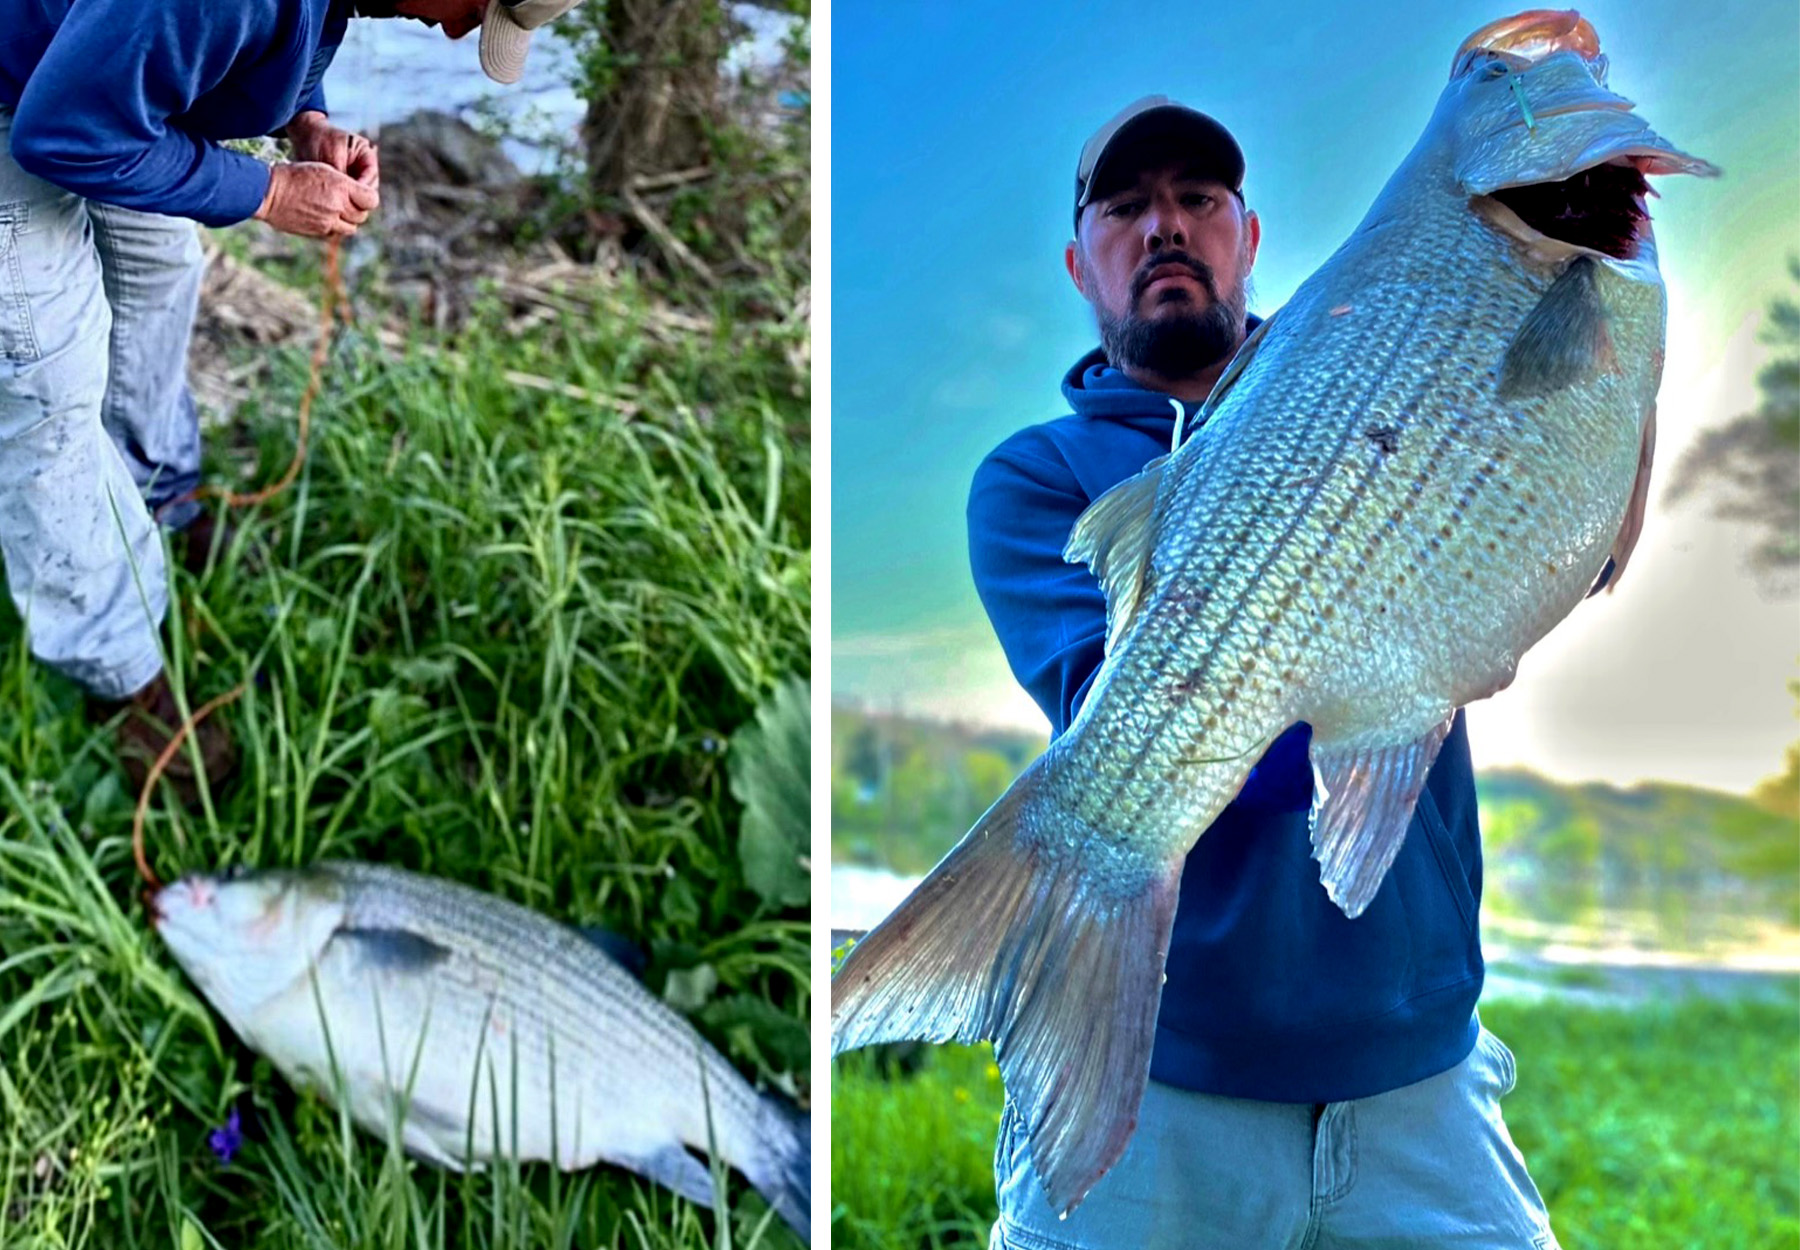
(499, 634)
(1673, 1125)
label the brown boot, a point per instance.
(151, 720)
(210, 535)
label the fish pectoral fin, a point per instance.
(1562, 341)
(1633, 523)
(1114, 538)
(674, 1168)
(394, 950)
(1363, 799)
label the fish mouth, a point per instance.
(1601, 208)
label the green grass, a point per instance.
(1672, 1125)
(497, 634)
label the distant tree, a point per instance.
(1780, 795)
(989, 773)
(1750, 467)
(864, 758)
(668, 143)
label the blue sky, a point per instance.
(955, 130)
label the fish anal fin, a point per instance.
(1563, 340)
(1113, 538)
(673, 1167)
(1363, 799)
(1059, 966)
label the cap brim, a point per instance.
(504, 44)
(1175, 131)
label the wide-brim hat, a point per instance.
(1158, 129)
(506, 31)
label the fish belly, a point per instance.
(464, 1072)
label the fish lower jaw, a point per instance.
(1545, 250)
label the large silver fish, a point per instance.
(475, 1026)
(1406, 477)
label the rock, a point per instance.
(432, 149)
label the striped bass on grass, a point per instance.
(482, 1029)
(1404, 479)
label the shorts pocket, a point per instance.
(1021, 1206)
(18, 337)
(1505, 1065)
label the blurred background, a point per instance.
(1640, 782)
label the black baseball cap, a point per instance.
(1155, 127)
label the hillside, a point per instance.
(1690, 863)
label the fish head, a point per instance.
(248, 937)
(1541, 146)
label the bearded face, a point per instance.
(1165, 330)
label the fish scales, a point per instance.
(1407, 476)
(572, 980)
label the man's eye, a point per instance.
(1125, 208)
(1196, 199)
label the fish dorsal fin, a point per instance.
(1633, 524)
(618, 948)
(1235, 369)
(1113, 538)
(396, 950)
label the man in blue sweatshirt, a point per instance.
(112, 114)
(1315, 1081)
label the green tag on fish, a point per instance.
(1518, 88)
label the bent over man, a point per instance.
(112, 114)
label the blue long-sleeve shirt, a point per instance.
(1271, 993)
(125, 101)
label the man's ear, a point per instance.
(1072, 262)
(1252, 238)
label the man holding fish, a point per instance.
(112, 114)
(1396, 485)
(1297, 1051)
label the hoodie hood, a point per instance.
(1096, 390)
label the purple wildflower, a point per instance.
(225, 1141)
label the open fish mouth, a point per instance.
(1602, 208)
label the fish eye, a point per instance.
(1496, 69)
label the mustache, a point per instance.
(1200, 269)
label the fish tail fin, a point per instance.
(784, 1177)
(1056, 955)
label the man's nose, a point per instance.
(1164, 226)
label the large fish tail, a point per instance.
(783, 1172)
(1055, 957)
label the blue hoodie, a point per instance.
(124, 101)
(1271, 993)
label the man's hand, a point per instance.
(311, 198)
(314, 138)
